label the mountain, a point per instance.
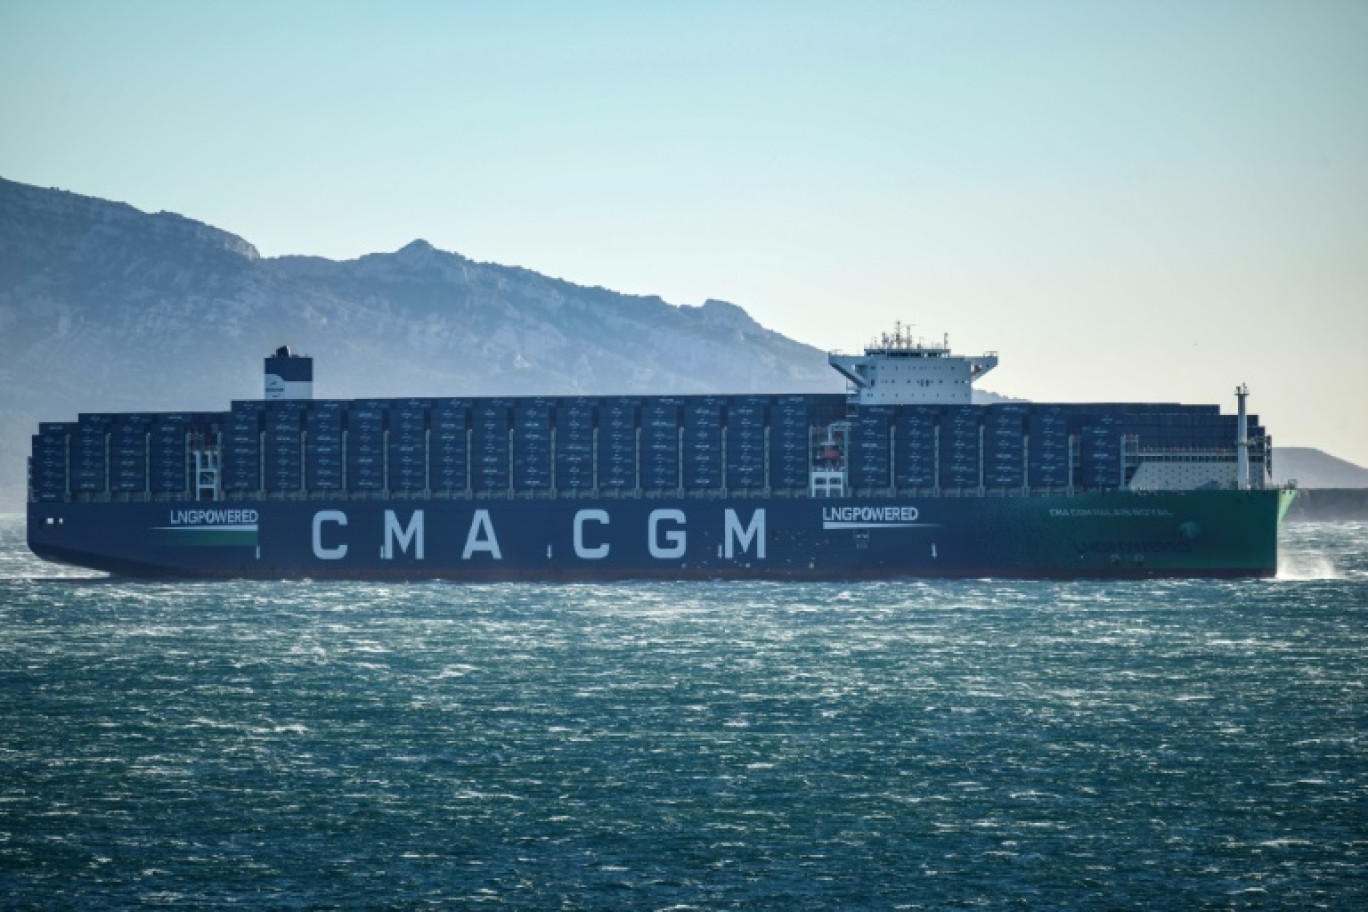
(107, 308)
(1311, 468)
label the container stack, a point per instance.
(170, 454)
(491, 456)
(323, 456)
(532, 470)
(575, 445)
(959, 446)
(48, 462)
(1099, 455)
(869, 457)
(789, 429)
(450, 441)
(746, 443)
(1004, 457)
(617, 420)
(89, 453)
(660, 444)
(242, 447)
(408, 446)
(128, 447)
(365, 425)
(1048, 447)
(703, 443)
(284, 450)
(914, 457)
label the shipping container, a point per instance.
(616, 443)
(702, 445)
(48, 462)
(532, 468)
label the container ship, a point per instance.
(902, 476)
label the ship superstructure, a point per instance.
(900, 369)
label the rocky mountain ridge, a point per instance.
(106, 308)
(1307, 467)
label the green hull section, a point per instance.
(1187, 533)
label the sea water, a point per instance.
(905, 745)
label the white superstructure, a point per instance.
(899, 368)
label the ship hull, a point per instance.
(1105, 535)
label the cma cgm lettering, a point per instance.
(593, 535)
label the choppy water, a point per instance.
(1171, 745)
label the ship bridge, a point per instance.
(899, 368)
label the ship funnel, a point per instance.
(288, 375)
(1242, 439)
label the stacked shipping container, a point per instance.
(323, 456)
(660, 444)
(407, 455)
(870, 454)
(702, 438)
(169, 471)
(960, 435)
(575, 444)
(746, 463)
(242, 447)
(48, 471)
(449, 453)
(789, 428)
(617, 443)
(915, 436)
(655, 445)
(365, 466)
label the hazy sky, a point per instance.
(1128, 201)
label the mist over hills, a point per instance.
(104, 307)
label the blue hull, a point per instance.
(1112, 535)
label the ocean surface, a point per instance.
(948, 745)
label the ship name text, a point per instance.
(591, 531)
(857, 518)
(213, 517)
(870, 514)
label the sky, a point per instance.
(1127, 201)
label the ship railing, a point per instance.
(1192, 455)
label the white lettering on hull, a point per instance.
(481, 537)
(213, 517)
(328, 516)
(899, 517)
(676, 540)
(598, 552)
(734, 534)
(666, 535)
(410, 534)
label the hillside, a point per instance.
(107, 308)
(1312, 468)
